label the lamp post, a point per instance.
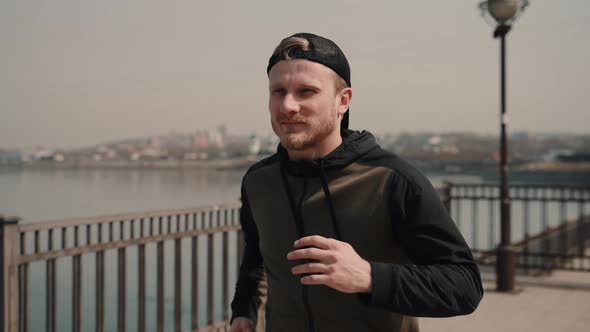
(504, 13)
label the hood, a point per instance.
(354, 145)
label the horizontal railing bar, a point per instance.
(552, 255)
(521, 198)
(544, 265)
(553, 266)
(520, 253)
(51, 224)
(520, 185)
(120, 244)
(568, 225)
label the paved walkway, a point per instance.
(560, 302)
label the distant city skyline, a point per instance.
(215, 134)
(76, 74)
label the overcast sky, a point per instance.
(74, 72)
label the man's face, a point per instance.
(304, 106)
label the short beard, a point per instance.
(306, 140)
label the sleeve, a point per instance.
(443, 280)
(247, 297)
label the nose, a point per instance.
(289, 104)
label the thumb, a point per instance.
(241, 324)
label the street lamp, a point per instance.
(504, 13)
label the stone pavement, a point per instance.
(560, 302)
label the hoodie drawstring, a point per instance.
(295, 210)
(324, 180)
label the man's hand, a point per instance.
(241, 324)
(336, 264)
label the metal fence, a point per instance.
(80, 239)
(190, 257)
(549, 224)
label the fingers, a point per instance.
(316, 279)
(311, 253)
(242, 324)
(241, 329)
(311, 268)
(314, 241)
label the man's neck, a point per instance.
(317, 151)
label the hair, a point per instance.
(339, 83)
(289, 44)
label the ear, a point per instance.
(344, 100)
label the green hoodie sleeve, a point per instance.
(247, 297)
(443, 280)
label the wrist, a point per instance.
(367, 284)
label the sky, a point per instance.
(76, 72)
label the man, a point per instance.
(344, 235)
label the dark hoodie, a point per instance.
(378, 203)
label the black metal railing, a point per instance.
(87, 243)
(175, 270)
(550, 225)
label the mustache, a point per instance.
(295, 118)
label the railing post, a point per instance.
(446, 195)
(9, 277)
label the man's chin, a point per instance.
(294, 142)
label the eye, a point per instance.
(307, 92)
(278, 91)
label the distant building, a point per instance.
(222, 130)
(255, 145)
(150, 153)
(42, 154)
(155, 142)
(520, 136)
(10, 157)
(200, 140)
(59, 157)
(553, 155)
(218, 138)
(435, 140)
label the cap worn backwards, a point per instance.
(323, 51)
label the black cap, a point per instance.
(323, 51)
